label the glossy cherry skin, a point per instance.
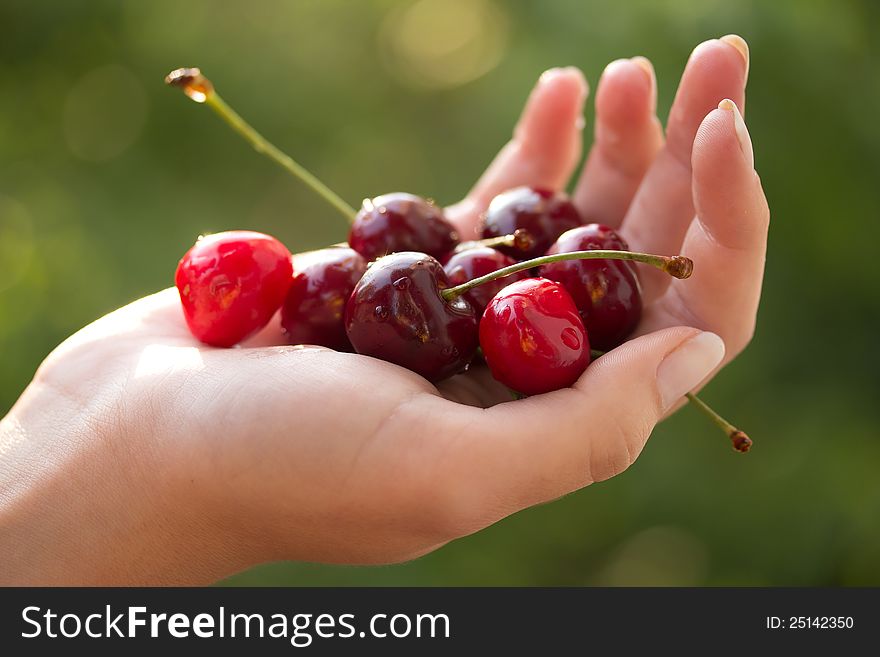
(231, 284)
(396, 313)
(314, 309)
(401, 222)
(465, 265)
(533, 338)
(543, 214)
(606, 292)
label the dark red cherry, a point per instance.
(401, 222)
(468, 264)
(606, 292)
(314, 309)
(543, 214)
(533, 338)
(396, 313)
(231, 284)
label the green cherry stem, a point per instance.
(677, 266)
(519, 239)
(200, 89)
(741, 441)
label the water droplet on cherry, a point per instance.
(426, 334)
(570, 338)
(533, 338)
(606, 292)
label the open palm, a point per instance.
(279, 452)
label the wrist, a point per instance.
(86, 500)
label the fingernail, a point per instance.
(740, 44)
(553, 74)
(645, 64)
(683, 369)
(742, 133)
(550, 74)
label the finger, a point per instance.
(727, 241)
(543, 152)
(628, 136)
(513, 455)
(663, 207)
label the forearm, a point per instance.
(78, 508)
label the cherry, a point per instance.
(606, 292)
(533, 338)
(541, 213)
(231, 284)
(314, 308)
(397, 313)
(401, 222)
(470, 263)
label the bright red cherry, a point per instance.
(231, 284)
(465, 265)
(533, 338)
(606, 292)
(542, 214)
(401, 222)
(397, 313)
(314, 308)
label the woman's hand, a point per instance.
(139, 456)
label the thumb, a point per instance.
(521, 453)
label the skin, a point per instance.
(138, 456)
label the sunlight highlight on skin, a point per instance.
(162, 359)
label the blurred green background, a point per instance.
(106, 177)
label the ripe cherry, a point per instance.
(216, 308)
(467, 264)
(401, 222)
(533, 338)
(314, 308)
(397, 313)
(606, 292)
(231, 284)
(541, 213)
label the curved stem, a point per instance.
(197, 87)
(677, 266)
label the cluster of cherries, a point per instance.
(531, 298)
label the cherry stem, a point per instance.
(677, 266)
(200, 89)
(741, 441)
(519, 239)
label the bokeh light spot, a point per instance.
(659, 556)
(439, 44)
